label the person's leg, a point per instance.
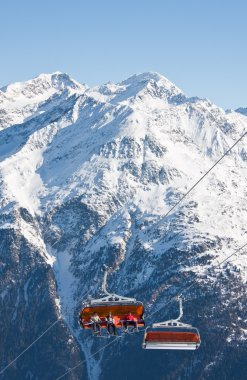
(114, 328)
(99, 327)
(110, 328)
(134, 323)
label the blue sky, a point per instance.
(198, 45)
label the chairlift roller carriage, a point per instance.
(119, 307)
(172, 334)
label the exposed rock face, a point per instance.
(243, 111)
(28, 307)
(86, 178)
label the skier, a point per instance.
(96, 322)
(130, 320)
(111, 323)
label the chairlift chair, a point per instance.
(119, 307)
(172, 335)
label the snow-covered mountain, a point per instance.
(87, 176)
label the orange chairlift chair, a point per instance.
(119, 307)
(172, 334)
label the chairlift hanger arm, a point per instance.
(104, 282)
(180, 308)
(174, 322)
(110, 297)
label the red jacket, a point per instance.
(129, 317)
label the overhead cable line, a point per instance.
(214, 267)
(35, 341)
(195, 281)
(204, 175)
(83, 361)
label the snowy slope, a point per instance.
(98, 168)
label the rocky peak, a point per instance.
(242, 110)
